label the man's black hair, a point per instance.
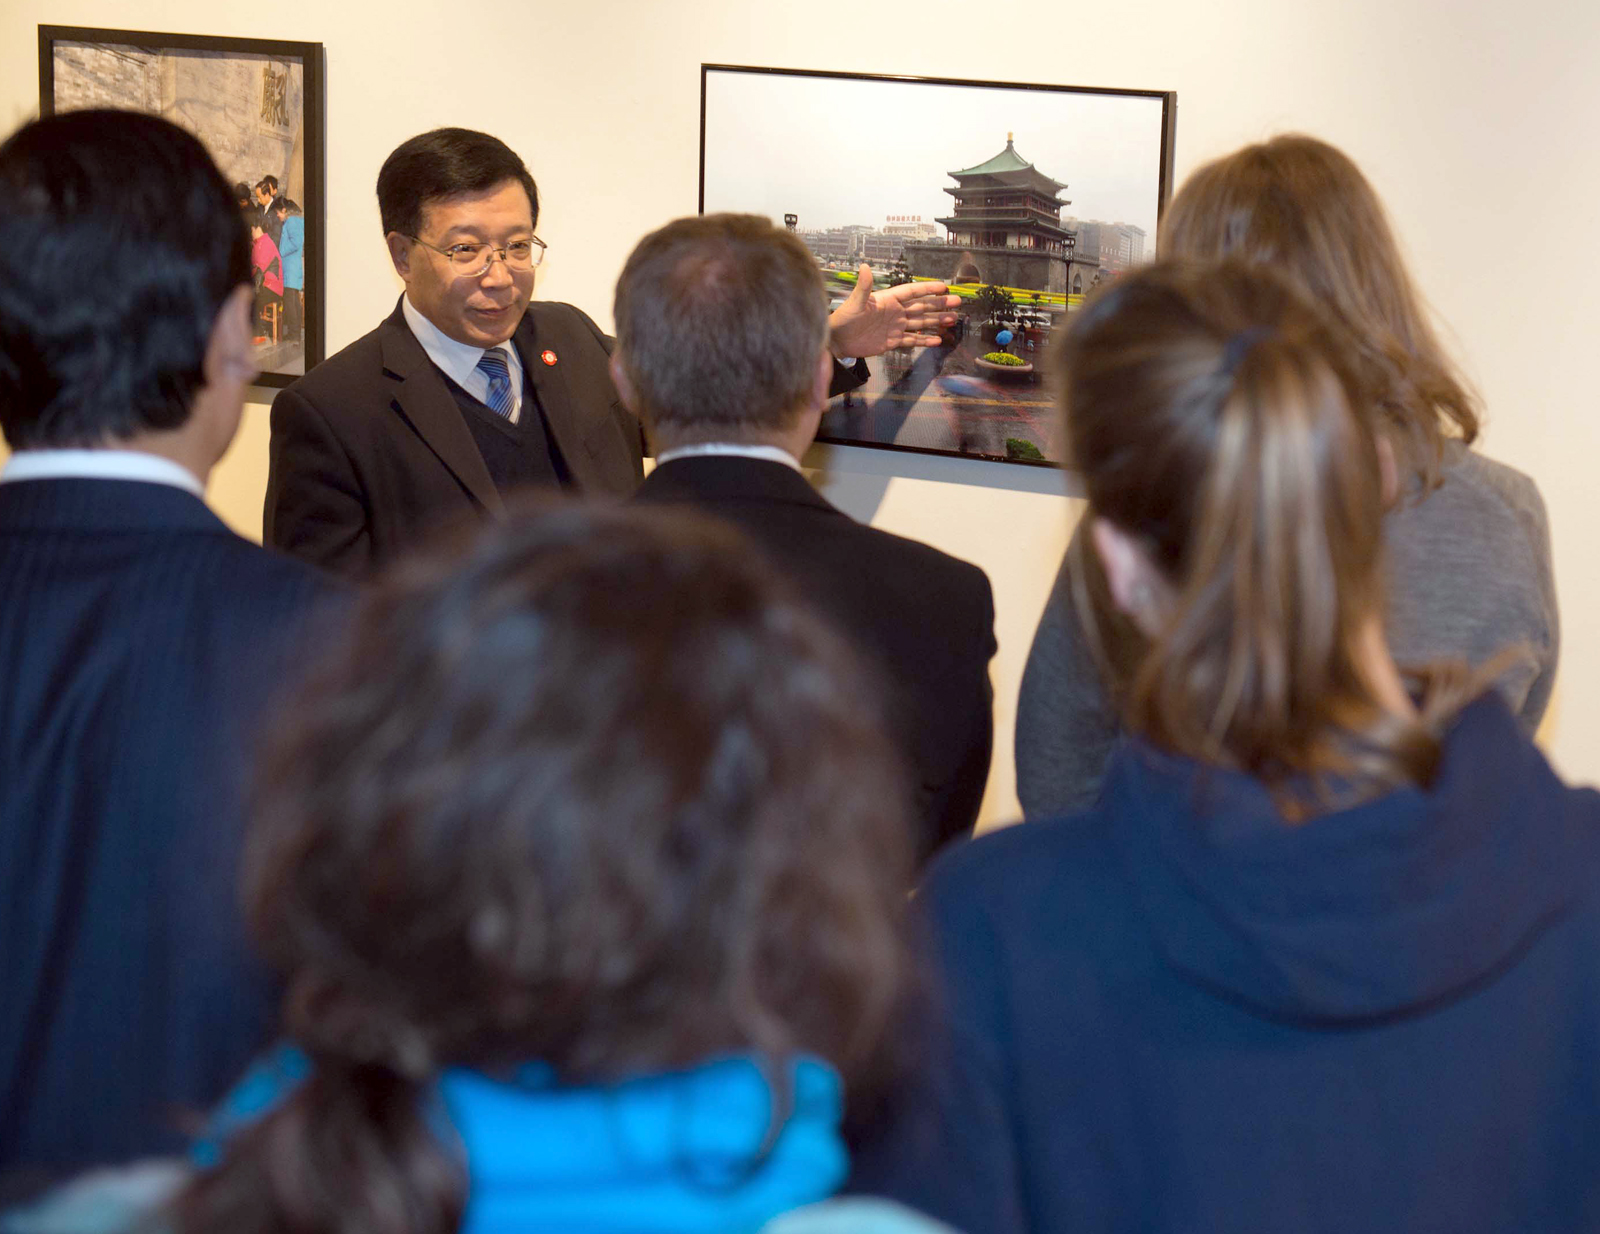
(119, 242)
(270, 183)
(443, 164)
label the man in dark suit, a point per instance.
(732, 395)
(139, 639)
(266, 189)
(471, 389)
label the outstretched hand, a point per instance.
(870, 323)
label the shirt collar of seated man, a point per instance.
(786, 444)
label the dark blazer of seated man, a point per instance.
(139, 640)
(471, 389)
(731, 384)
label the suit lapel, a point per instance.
(423, 400)
(549, 385)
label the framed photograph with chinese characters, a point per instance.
(257, 104)
(1023, 198)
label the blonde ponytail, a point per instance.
(1218, 419)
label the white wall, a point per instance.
(1475, 119)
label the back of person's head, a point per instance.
(593, 792)
(119, 243)
(441, 164)
(721, 321)
(1225, 436)
(1303, 207)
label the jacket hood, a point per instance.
(709, 1150)
(696, 1151)
(1364, 914)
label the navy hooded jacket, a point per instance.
(1178, 1013)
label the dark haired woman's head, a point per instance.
(1235, 483)
(119, 244)
(442, 164)
(283, 207)
(1304, 208)
(592, 791)
(597, 793)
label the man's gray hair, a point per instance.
(720, 322)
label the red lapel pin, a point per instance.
(548, 356)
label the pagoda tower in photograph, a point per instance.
(1005, 229)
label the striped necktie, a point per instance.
(493, 366)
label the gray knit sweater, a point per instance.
(1469, 574)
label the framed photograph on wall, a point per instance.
(1023, 198)
(257, 104)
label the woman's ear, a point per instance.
(1389, 470)
(1135, 585)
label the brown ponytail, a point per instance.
(349, 1151)
(1216, 417)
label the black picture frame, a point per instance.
(975, 413)
(272, 112)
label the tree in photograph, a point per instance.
(995, 303)
(899, 272)
(1022, 448)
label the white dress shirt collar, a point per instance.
(731, 449)
(459, 361)
(99, 465)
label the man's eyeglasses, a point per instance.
(474, 260)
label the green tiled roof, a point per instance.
(1008, 160)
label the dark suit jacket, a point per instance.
(926, 618)
(370, 452)
(139, 640)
